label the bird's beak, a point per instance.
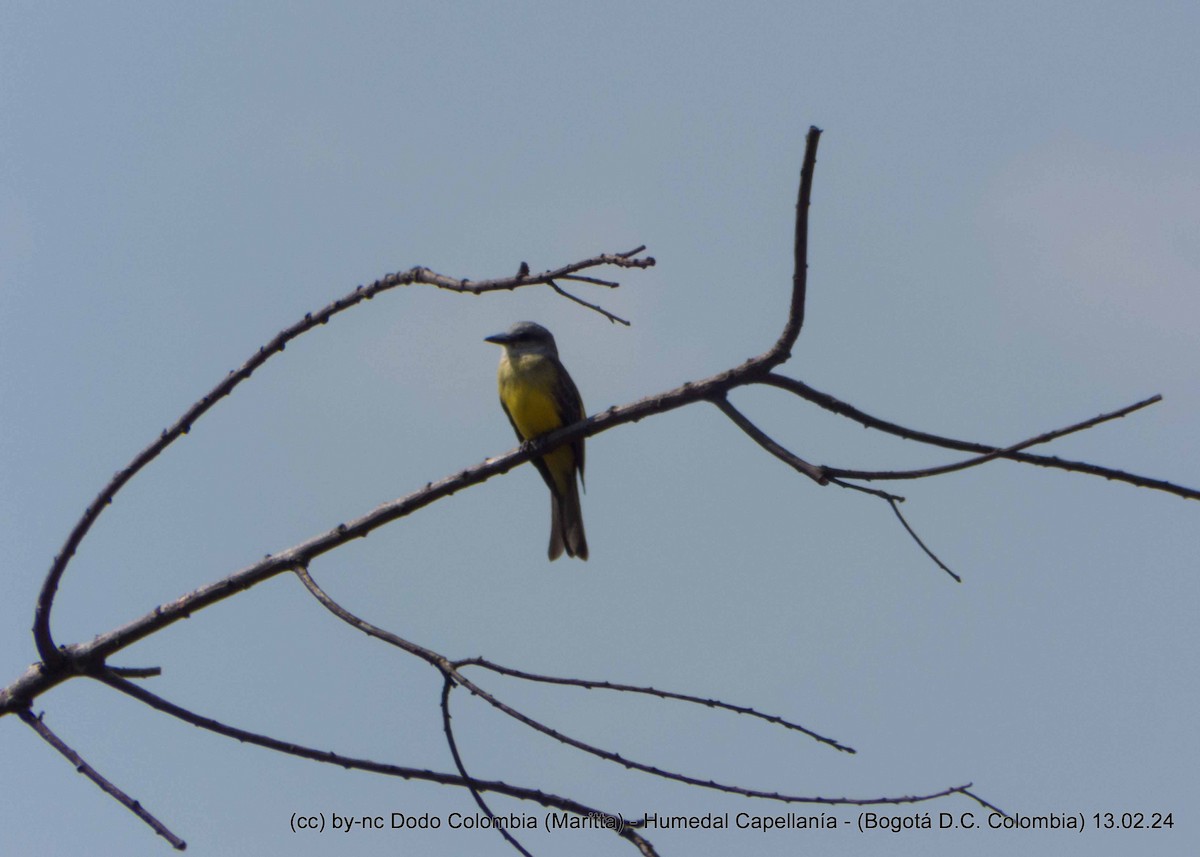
(498, 338)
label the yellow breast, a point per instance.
(527, 390)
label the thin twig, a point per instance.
(896, 508)
(591, 684)
(546, 799)
(837, 406)
(447, 668)
(782, 349)
(38, 725)
(985, 804)
(874, 492)
(137, 672)
(447, 686)
(582, 302)
(595, 281)
(894, 500)
(1006, 452)
(428, 655)
(816, 474)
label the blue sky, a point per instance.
(1003, 241)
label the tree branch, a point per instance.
(782, 349)
(58, 665)
(415, 276)
(613, 318)
(90, 658)
(816, 474)
(904, 522)
(447, 686)
(449, 670)
(590, 684)
(835, 405)
(1007, 452)
(546, 799)
(47, 734)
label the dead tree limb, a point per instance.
(90, 659)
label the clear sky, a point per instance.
(1003, 241)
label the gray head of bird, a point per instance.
(526, 337)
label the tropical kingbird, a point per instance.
(539, 396)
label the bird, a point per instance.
(538, 397)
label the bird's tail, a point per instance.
(566, 524)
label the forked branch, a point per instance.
(90, 659)
(414, 276)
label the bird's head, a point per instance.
(525, 337)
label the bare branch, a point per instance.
(1045, 437)
(966, 791)
(38, 725)
(60, 664)
(83, 658)
(896, 508)
(352, 763)
(595, 281)
(137, 672)
(760, 437)
(590, 684)
(582, 302)
(841, 473)
(423, 276)
(894, 500)
(831, 403)
(447, 686)
(428, 655)
(103, 646)
(448, 669)
(874, 492)
(782, 349)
